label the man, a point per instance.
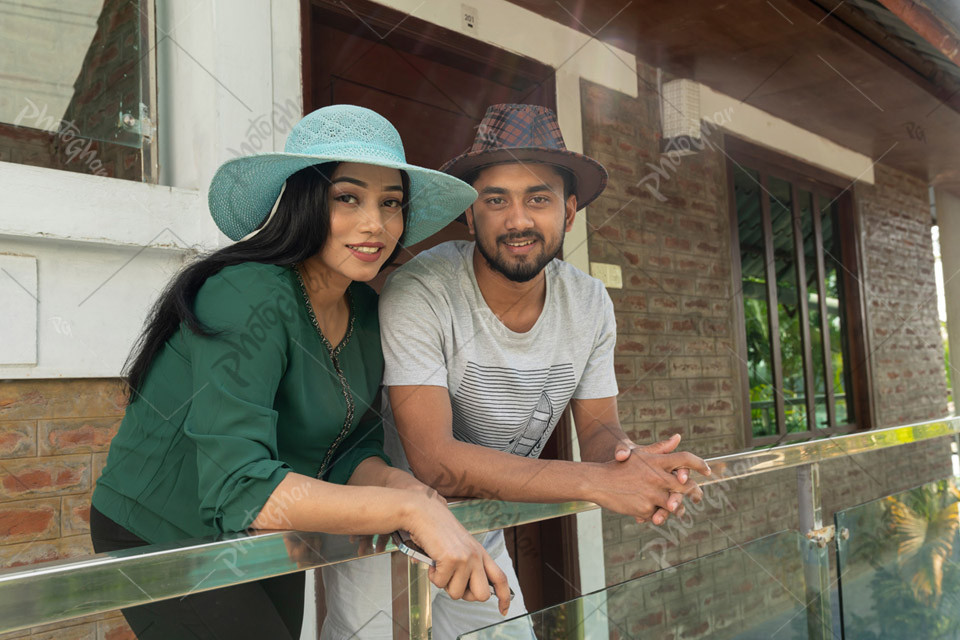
(487, 342)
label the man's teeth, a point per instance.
(520, 244)
(364, 249)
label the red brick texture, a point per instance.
(677, 361)
(54, 437)
(905, 346)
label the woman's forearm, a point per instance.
(307, 504)
(374, 472)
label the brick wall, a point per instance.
(906, 350)
(677, 365)
(675, 356)
(54, 436)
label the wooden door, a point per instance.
(434, 85)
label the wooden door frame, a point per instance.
(428, 39)
(409, 33)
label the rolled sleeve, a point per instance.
(411, 333)
(231, 420)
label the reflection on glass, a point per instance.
(900, 566)
(788, 306)
(752, 591)
(754, 281)
(836, 315)
(821, 419)
(70, 86)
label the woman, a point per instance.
(253, 389)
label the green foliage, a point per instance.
(910, 540)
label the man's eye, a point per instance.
(495, 201)
(540, 199)
(347, 198)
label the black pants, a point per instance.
(271, 609)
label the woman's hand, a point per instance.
(463, 568)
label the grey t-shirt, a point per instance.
(507, 389)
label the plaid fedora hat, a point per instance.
(528, 133)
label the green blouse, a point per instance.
(221, 420)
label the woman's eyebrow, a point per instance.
(361, 183)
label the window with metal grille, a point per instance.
(795, 277)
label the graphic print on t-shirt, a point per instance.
(513, 410)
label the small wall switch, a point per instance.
(611, 275)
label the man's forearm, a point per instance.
(601, 443)
(458, 469)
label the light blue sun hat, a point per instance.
(246, 190)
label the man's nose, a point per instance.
(518, 218)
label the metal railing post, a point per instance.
(411, 598)
(816, 565)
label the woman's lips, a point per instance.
(366, 256)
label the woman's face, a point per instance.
(366, 220)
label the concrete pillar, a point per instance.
(948, 219)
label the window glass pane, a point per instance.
(70, 96)
(821, 418)
(836, 313)
(788, 306)
(754, 281)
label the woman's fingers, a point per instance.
(459, 581)
(440, 575)
(498, 580)
(479, 589)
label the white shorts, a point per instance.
(359, 600)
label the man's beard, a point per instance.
(525, 268)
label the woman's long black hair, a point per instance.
(297, 231)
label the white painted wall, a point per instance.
(776, 134)
(220, 73)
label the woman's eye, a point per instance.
(393, 203)
(347, 198)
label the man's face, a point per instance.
(520, 218)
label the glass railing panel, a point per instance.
(74, 92)
(52, 591)
(898, 565)
(754, 590)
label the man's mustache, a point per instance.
(520, 237)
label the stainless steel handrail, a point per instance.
(62, 590)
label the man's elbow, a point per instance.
(432, 468)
